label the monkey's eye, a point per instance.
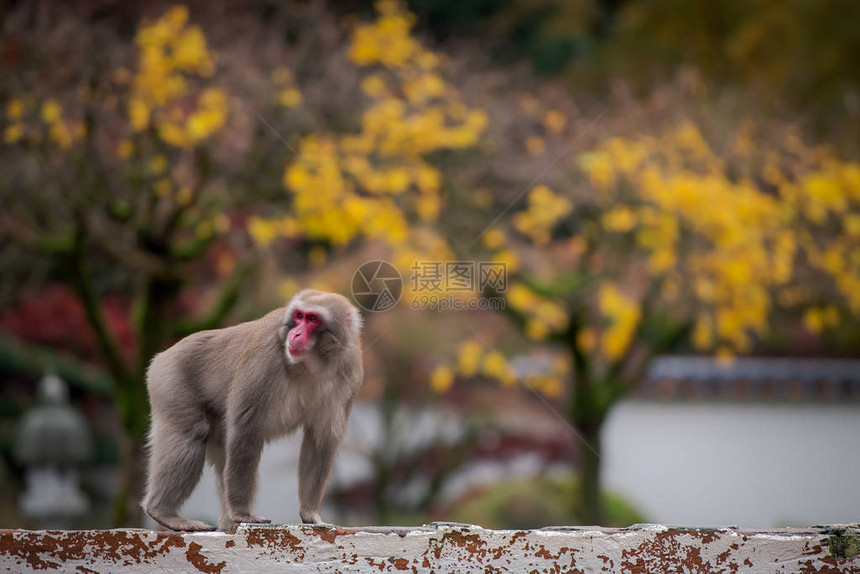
(312, 318)
(299, 315)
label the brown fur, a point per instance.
(221, 395)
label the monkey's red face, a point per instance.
(300, 337)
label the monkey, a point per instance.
(221, 395)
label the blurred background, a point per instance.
(646, 214)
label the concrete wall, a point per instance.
(435, 548)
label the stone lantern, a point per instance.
(52, 442)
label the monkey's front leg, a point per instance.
(315, 464)
(240, 474)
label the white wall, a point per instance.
(694, 464)
(755, 466)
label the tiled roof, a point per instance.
(751, 379)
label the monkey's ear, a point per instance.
(354, 322)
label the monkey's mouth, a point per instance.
(295, 350)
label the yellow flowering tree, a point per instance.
(662, 242)
(115, 178)
(375, 182)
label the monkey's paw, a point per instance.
(186, 525)
(311, 517)
(194, 526)
(247, 517)
(179, 523)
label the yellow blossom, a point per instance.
(851, 224)
(551, 387)
(521, 297)
(261, 231)
(544, 211)
(599, 169)
(703, 333)
(15, 109)
(441, 379)
(173, 134)
(623, 315)
(189, 52)
(13, 133)
(138, 113)
(586, 340)
(170, 52)
(816, 319)
(373, 85)
(427, 207)
(536, 329)
(51, 111)
(509, 257)
(552, 314)
(469, 358)
(61, 135)
(496, 366)
(493, 238)
(125, 149)
(158, 164)
(386, 41)
(398, 180)
(375, 180)
(535, 145)
(619, 220)
(428, 179)
(290, 97)
(554, 121)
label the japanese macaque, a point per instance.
(221, 395)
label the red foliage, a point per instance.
(54, 318)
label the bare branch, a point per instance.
(224, 303)
(86, 294)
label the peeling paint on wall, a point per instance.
(438, 547)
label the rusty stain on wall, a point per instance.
(199, 561)
(437, 547)
(46, 550)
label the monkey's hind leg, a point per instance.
(215, 455)
(175, 466)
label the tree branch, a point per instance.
(92, 309)
(562, 286)
(204, 168)
(656, 333)
(224, 303)
(18, 231)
